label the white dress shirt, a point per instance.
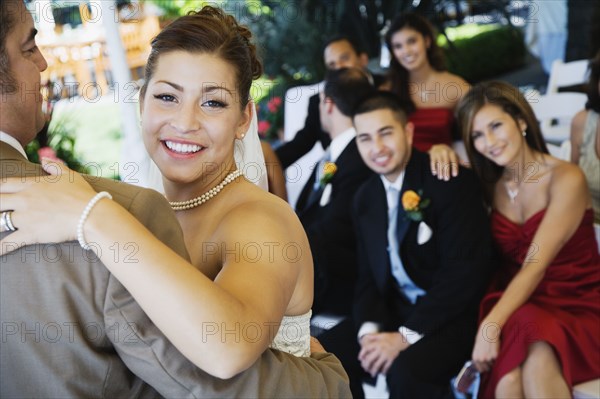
(408, 287)
(13, 142)
(340, 142)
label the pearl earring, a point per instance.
(243, 135)
(524, 133)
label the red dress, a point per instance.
(432, 126)
(564, 310)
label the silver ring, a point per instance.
(6, 223)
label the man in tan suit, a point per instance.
(69, 328)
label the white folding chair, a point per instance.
(561, 152)
(296, 108)
(294, 116)
(565, 74)
(555, 112)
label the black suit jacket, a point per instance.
(331, 235)
(453, 267)
(306, 138)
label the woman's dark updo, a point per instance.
(210, 31)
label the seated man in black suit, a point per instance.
(425, 257)
(339, 52)
(324, 209)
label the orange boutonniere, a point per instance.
(414, 204)
(329, 170)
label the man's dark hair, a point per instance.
(378, 100)
(346, 86)
(8, 12)
(339, 38)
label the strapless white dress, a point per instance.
(293, 335)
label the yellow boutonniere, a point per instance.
(329, 170)
(413, 205)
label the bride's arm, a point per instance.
(221, 326)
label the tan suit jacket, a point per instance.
(70, 329)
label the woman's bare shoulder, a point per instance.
(260, 212)
(566, 175)
(453, 87)
(448, 77)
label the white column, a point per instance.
(133, 156)
(44, 17)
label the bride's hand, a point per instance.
(45, 209)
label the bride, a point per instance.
(194, 108)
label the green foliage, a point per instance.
(486, 54)
(270, 109)
(288, 39)
(62, 141)
(177, 8)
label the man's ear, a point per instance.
(329, 104)
(245, 120)
(364, 59)
(409, 130)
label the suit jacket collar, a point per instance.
(413, 176)
(413, 180)
(375, 220)
(374, 226)
(312, 197)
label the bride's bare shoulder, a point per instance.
(260, 211)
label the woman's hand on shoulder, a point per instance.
(443, 161)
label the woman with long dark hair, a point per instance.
(418, 76)
(539, 332)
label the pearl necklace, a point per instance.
(194, 202)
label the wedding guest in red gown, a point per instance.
(540, 322)
(417, 74)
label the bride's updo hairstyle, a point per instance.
(209, 31)
(511, 101)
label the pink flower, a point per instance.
(263, 127)
(274, 104)
(48, 152)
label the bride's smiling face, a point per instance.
(191, 115)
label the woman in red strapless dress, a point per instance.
(540, 321)
(418, 76)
